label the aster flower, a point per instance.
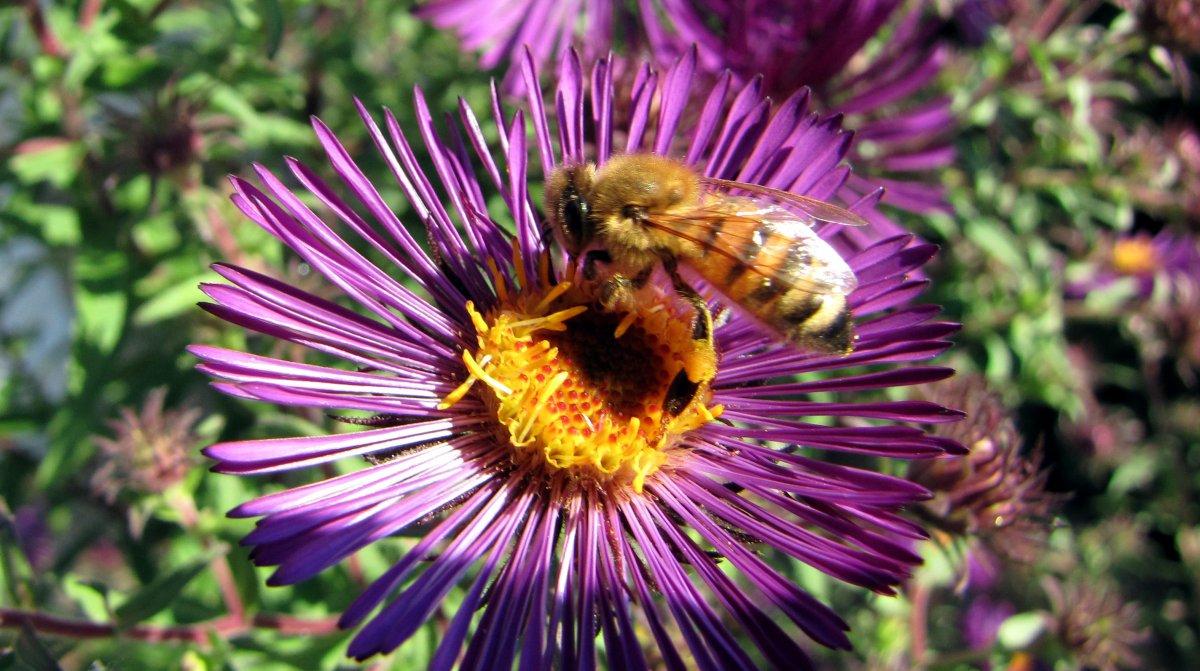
(982, 620)
(501, 30)
(503, 413)
(974, 19)
(163, 132)
(1096, 623)
(784, 45)
(1167, 258)
(899, 129)
(994, 494)
(150, 451)
(34, 535)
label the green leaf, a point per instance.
(89, 595)
(194, 661)
(1021, 630)
(937, 569)
(126, 69)
(134, 195)
(1135, 472)
(53, 160)
(159, 594)
(90, 48)
(101, 316)
(997, 242)
(57, 224)
(983, 113)
(173, 301)
(1112, 299)
(999, 359)
(157, 235)
(273, 20)
(258, 128)
(100, 588)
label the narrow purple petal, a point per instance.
(676, 90)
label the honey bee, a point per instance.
(639, 211)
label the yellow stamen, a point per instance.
(625, 324)
(498, 280)
(1134, 256)
(554, 322)
(481, 326)
(519, 266)
(552, 296)
(527, 425)
(458, 393)
(478, 372)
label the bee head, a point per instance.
(567, 207)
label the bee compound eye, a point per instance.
(575, 218)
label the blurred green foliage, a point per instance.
(120, 120)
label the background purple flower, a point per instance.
(551, 561)
(997, 494)
(902, 134)
(1167, 257)
(822, 45)
(982, 621)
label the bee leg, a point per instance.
(642, 277)
(616, 293)
(700, 364)
(703, 326)
(616, 290)
(679, 395)
(590, 259)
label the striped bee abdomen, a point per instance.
(754, 273)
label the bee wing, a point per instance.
(817, 209)
(741, 228)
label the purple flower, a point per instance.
(1098, 624)
(996, 494)
(34, 536)
(506, 417)
(900, 129)
(974, 19)
(1166, 258)
(783, 45)
(502, 29)
(982, 620)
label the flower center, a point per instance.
(584, 393)
(1134, 256)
